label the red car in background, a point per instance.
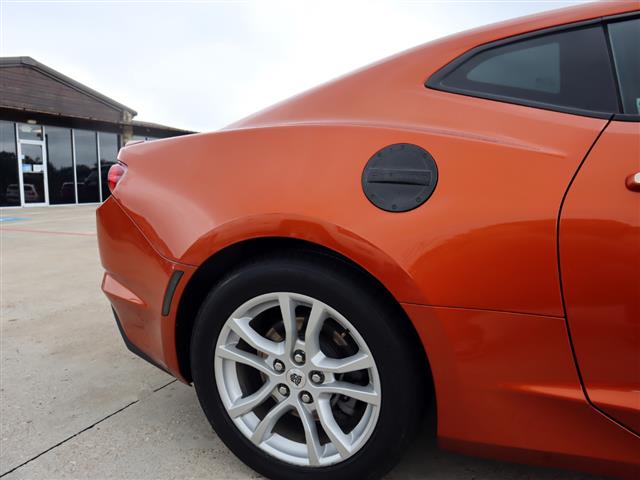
(455, 228)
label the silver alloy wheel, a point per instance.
(322, 439)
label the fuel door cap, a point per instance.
(400, 177)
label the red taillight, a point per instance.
(116, 172)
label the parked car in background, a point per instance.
(454, 229)
(30, 193)
(68, 192)
(13, 193)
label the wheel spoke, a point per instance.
(314, 326)
(341, 441)
(288, 311)
(357, 361)
(241, 327)
(232, 353)
(269, 421)
(286, 374)
(366, 394)
(246, 404)
(311, 435)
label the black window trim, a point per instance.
(434, 80)
(621, 117)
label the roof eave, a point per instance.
(42, 68)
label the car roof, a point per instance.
(551, 18)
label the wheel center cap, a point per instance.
(296, 378)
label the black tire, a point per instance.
(401, 368)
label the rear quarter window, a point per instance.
(569, 69)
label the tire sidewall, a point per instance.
(368, 315)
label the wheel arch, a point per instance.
(214, 268)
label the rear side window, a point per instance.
(564, 70)
(625, 43)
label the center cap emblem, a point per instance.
(296, 378)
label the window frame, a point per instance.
(619, 116)
(434, 81)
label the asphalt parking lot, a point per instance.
(74, 403)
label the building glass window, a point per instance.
(60, 166)
(87, 172)
(569, 69)
(9, 183)
(625, 43)
(108, 156)
(27, 131)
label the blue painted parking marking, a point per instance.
(12, 219)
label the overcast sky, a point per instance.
(202, 64)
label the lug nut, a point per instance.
(278, 366)
(298, 357)
(306, 397)
(283, 390)
(317, 377)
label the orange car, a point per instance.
(454, 228)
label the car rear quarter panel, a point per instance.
(294, 170)
(485, 239)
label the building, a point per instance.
(58, 137)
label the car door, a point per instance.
(600, 248)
